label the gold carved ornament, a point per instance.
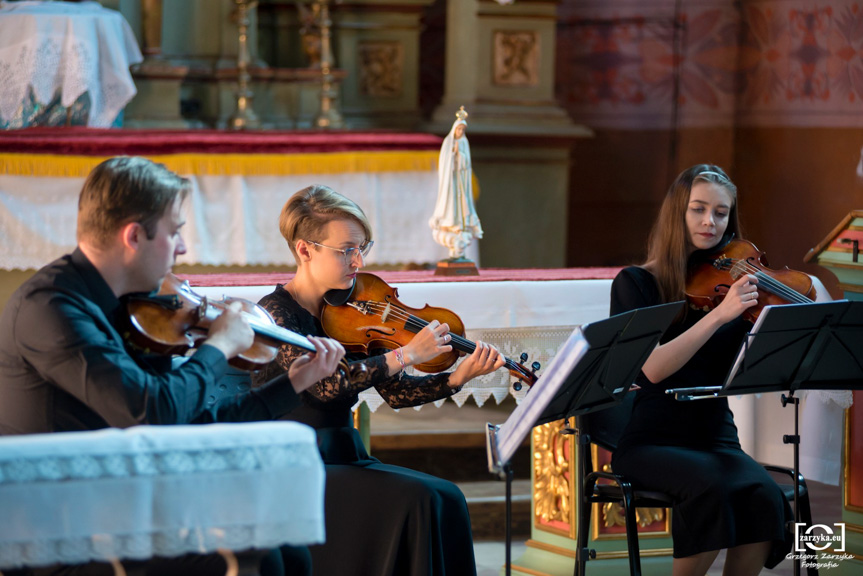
(552, 489)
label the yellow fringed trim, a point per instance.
(51, 165)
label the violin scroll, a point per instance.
(529, 377)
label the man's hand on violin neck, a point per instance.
(230, 332)
(311, 368)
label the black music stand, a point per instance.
(796, 347)
(594, 369)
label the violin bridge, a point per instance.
(386, 313)
(361, 307)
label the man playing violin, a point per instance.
(690, 450)
(381, 520)
(64, 364)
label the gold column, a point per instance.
(151, 25)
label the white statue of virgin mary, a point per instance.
(454, 222)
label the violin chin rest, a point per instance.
(339, 297)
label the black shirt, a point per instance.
(657, 418)
(64, 365)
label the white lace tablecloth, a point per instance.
(72, 48)
(158, 490)
(230, 220)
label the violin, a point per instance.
(369, 315)
(177, 319)
(711, 278)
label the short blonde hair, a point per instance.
(308, 211)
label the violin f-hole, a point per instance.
(370, 332)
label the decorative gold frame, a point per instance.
(381, 68)
(515, 58)
(550, 469)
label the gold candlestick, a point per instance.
(243, 117)
(151, 25)
(328, 116)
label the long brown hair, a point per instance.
(668, 246)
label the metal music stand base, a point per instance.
(795, 440)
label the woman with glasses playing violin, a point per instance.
(381, 520)
(690, 450)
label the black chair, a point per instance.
(604, 428)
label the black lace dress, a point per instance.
(381, 520)
(690, 450)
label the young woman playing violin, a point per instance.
(381, 520)
(690, 450)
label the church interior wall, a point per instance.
(804, 182)
(768, 90)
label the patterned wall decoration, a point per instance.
(516, 58)
(381, 68)
(624, 63)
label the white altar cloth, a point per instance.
(158, 490)
(230, 220)
(70, 48)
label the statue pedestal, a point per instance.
(456, 267)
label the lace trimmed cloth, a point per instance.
(158, 490)
(38, 217)
(65, 49)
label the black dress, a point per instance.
(690, 450)
(381, 520)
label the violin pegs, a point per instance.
(524, 357)
(516, 385)
(534, 367)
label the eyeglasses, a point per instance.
(349, 253)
